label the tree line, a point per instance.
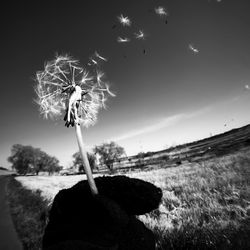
(29, 160)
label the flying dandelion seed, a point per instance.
(193, 49)
(161, 11)
(123, 40)
(66, 89)
(247, 87)
(100, 57)
(125, 21)
(140, 35)
(95, 59)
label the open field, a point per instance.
(205, 205)
(208, 148)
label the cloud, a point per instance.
(163, 123)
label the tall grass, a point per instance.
(205, 205)
(29, 212)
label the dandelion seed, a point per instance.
(140, 35)
(247, 87)
(99, 76)
(125, 21)
(93, 61)
(192, 48)
(100, 57)
(85, 77)
(161, 11)
(123, 40)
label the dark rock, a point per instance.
(79, 220)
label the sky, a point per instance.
(187, 80)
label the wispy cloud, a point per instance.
(162, 123)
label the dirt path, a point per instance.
(8, 236)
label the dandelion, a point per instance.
(125, 21)
(192, 48)
(66, 90)
(161, 11)
(123, 40)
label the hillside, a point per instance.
(215, 146)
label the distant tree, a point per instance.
(22, 158)
(38, 163)
(109, 152)
(27, 159)
(51, 164)
(147, 154)
(140, 157)
(78, 164)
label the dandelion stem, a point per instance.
(85, 160)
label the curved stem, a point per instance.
(85, 160)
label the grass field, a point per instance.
(29, 212)
(205, 205)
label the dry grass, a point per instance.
(29, 212)
(205, 205)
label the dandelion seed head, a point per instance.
(56, 82)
